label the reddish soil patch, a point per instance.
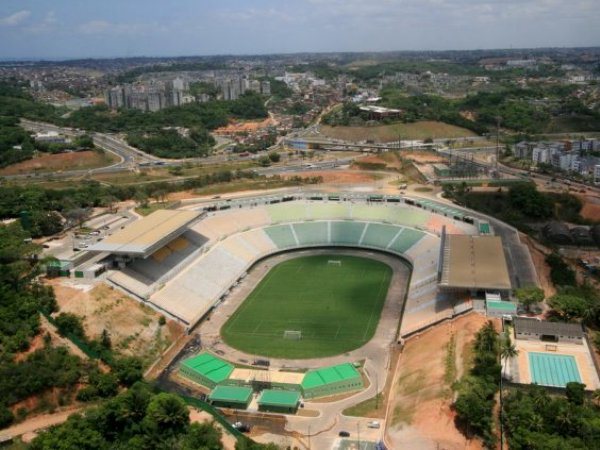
(338, 176)
(422, 157)
(421, 414)
(244, 127)
(61, 161)
(591, 207)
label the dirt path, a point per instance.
(39, 423)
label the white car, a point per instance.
(374, 424)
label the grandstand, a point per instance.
(193, 270)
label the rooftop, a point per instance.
(147, 235)
(329, 375)
(234, 394)
(279, 398)
(266, 376)
(209, 366)
(534, 326)
(474, 262)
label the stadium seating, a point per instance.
(346, 233)
(331, 210)
(406, 239)
(288, 212)
(282, 236)
(312, 233)
(379, 235)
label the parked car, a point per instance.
(373, 424)
(343, 434)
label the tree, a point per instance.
(575, 393)
(568, 306)
(68, 323)
(167, 413)
(141, 198)
(203, 436)
(105, 340)
(76, 432)
(128, 370)
(529, 296)
(274, 157)
(264, 161)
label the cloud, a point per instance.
(15, 19)
(47, 25)
(103, 27)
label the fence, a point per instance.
(81, 345)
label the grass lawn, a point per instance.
(336, 308)
(407, 131)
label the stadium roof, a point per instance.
(266, 376)
(274, 397)
(534, 326)
(232, 394)
(474, 262)
(209, 366)
(329, 375)
(147, 235)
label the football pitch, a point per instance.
(335, 307)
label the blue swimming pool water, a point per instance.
(553, 370)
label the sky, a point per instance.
(57, 29)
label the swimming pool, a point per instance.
(553, 370)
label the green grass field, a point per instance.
(337, 308)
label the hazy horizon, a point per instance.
(67, 29)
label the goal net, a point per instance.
(334, 262)
(294, 335)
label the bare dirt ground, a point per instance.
(30, 426)
(591, 207)
(420, 410)
(133, 327)
(62, 161)
(244, 127)
(338, 176)
(538, 255)
(423, 157)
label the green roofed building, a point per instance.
(275, 400)
(331, 381)
(206, 369)
(231, 396)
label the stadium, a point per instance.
(307, 282)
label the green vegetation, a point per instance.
(536, 420)
(140, 418)
(475, 402)
(521, 205)
(336, 308)
(529, 295)
(561, 273)
(170, 144)
(535, 109)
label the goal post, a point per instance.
(294, 335)
(334, 262)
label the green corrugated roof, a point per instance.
(500, 305)
(209, 366)
(328, 375)
(279, 398)
(236, 394)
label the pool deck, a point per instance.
(519, 370)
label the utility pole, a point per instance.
(376, 392)
(309, 437)
(358, 433)
(498, 119)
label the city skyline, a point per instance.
(65, 29)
